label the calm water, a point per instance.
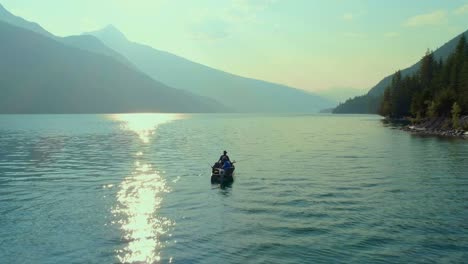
(308, 189)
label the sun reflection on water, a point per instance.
(140, 196)
(139, 199)
(144, 125)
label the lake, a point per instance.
(135, 188)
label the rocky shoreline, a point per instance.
(438, 127)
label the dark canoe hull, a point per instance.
(218, 178)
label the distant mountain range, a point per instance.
(43, 73)
(238, 93)
(104, 72)
(368, 103)
(339, 94)
(88, 43)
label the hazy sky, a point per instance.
(307, 44)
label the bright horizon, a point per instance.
(311, 45)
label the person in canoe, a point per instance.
(226, 163)
(224, 156)
(222, 171)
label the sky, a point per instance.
(309, 44)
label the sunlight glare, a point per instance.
(140, 196)
(144, 125)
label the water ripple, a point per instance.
(308, 189)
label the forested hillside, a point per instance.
(438, 89)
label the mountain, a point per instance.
(93, 44)
(339, 94)
(8, 17)
(369, 102)
(238, 93)
(88, 43)
(43, 75)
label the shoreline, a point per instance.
(440, 133)
(438, 127)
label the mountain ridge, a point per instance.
(8, 17)
(43, 75)
(88, 43)
(243, 94)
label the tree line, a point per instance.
(438, 89)
(364, 104)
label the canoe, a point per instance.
(220, 177)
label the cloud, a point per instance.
(461, 10)
(391, 34)
(137, 8)
(218, 24)
(351, 16)
(348, 16)
(246, 10)
(249, 6)
(435, 18)
(354, 35)
(235, 18)
(210, 29)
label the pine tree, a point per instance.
(426, 72)
(463, 94)
(458, 59)
(418, 106)
(396, 92)
(461, 45)
(456, 115)
(386, 105)
(463, 89)
(444, 101)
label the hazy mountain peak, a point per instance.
(87, 83)
(245, 94)
(109, 32)
(111, 28)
